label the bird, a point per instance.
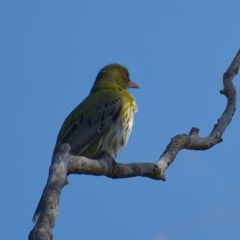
(100, 126)
(103, 121)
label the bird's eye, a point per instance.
(125, 78)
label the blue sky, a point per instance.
(177, 51)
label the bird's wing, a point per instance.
(89, 120)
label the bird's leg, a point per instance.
(105, 156)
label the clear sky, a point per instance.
(177, 51)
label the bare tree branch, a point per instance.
(192, 141)
(64, 163)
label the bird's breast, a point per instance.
(119, 132)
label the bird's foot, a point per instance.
(106, 157)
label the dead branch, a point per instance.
(64, 163)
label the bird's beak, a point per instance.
(132, 84)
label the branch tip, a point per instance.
(64, 148)
(222, 92)
(194, 131)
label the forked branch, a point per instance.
(64, 163)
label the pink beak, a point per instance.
(132, 84)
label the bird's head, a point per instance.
(113, 76)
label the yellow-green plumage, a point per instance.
(103, 121)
